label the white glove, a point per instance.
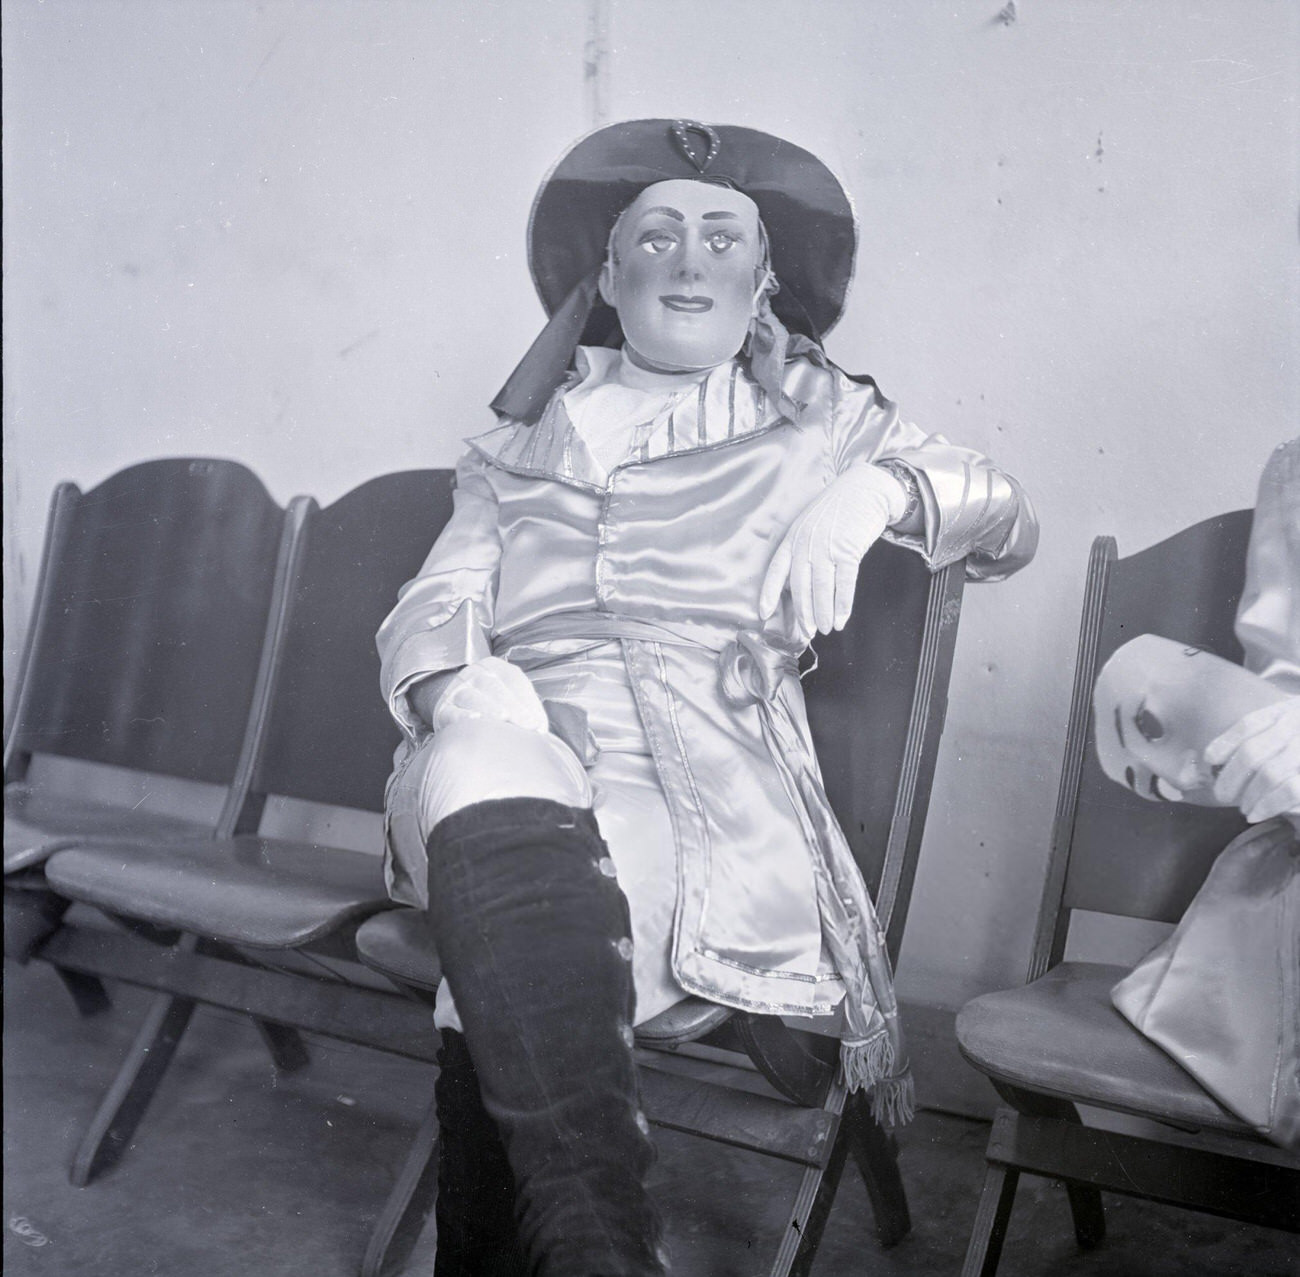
(1259, 761)
(819, 556)
(490, 688)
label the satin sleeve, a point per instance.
(1268, 617)
(972, 509)
(444, 616)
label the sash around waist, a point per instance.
(606, 626)
(751, 667)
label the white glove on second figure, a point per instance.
(1259, 762)
(818, 558)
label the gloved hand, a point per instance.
(1259, 758)
(819, 556)
(489, 688)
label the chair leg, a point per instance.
(87, 992)
(409, 1203)
(991, 1219)
(288, 1050)
(33, 913)
(1086, 1208)
(122, 1108)
(812, 1207)
(876, 1155)
(1089, 1215)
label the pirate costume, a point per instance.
(609, 538)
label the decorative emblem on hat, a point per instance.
(681, 130)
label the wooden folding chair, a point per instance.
(1058, 1042)
(154, 595)
(265, 921)
(876, 704)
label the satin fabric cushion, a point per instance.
(1222, 994)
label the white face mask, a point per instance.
(1158, 704)
(688, 278)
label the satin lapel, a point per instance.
(551, 449)
(726, 407)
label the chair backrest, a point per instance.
(876, 707)
(150, 613)
(1113, 852)
(329, 737)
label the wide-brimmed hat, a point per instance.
(808, 216)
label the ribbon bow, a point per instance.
(750, 670)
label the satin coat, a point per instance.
(680, 536)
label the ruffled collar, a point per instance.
(717, 409)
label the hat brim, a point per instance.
(808, 216)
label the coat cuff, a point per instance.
(458, 641)
(972, 512)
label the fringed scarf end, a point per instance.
(869, 1066)
(866, 1061)
(893, 1102)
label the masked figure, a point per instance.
(607, 797)
(1222, 994)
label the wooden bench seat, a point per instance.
(263, 893)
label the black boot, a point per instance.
(534, 937)
(477, 1236)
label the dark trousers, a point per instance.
(533, 933)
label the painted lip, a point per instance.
(687, 305)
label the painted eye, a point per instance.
(657, 243)
(1148, 725)
(722, 242)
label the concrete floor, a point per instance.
(236, 1172)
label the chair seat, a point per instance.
(1061, 1036)
(39, 823)
(685, 1021)
(398, 944)
(266, 893)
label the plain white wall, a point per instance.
(291, 232)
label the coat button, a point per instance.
(625, 1032)
(624, 947)
(606, 866)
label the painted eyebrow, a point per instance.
(668, 212)
(1119, 728)
(713, 217)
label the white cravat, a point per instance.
(617, 402)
